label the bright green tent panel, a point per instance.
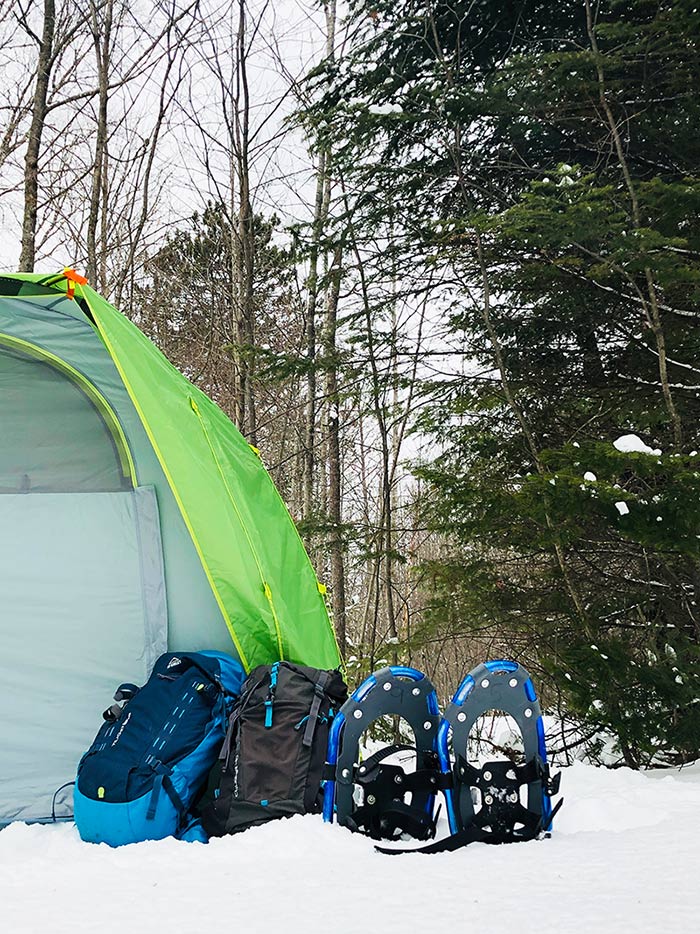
(266, 587)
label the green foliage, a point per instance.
(630, 526)
(190, 302)
(518, 157)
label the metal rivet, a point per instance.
(387, 685)
(488, 799)
(427, 725)
(346, 773)
(398, 779)
(415, 692)
(357, 714)
(487, 776)
(371, 799)
(363, 768)
(513, 798)
(461, 717)
(528, 712)
(485, 683)
(513, 682)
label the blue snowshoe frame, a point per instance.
(496, 685)
(392, 691)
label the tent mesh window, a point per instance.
(56, 433)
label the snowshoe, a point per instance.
(484, 803)
(370, 796)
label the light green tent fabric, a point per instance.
(53, 321)
(133, 516)
(49, 443)
(76, 620)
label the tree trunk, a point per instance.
(245, 253)
(102, 35)
(335, 511)
(312, 284)
(650, 301)
(31, 161)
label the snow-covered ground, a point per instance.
(625, 857)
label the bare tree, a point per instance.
(101, 20)
(47, 49)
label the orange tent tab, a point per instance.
(74, 278)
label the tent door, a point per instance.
(82, 609)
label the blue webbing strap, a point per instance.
(270, 699)
(155, 795)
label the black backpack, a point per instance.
(272, 760)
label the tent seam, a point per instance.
(319, 585)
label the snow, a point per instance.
(633, 444)
(382, 109)
(589, 475)
(622, 508)
(625, 857)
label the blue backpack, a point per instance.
(152, 756)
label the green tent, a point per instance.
(134, 519)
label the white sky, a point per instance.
(291, 31)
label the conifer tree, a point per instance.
(546, 160)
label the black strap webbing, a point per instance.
(230, 737)
(449, 844)
(319, 694)
(397, 816)
(163, 782)
(384, 811)
(368, 764)
(469, 835)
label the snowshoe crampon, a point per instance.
(374, 796)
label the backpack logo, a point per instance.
(174, 662)
(121, 729)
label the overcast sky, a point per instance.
(290, 33)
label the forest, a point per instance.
(440, 262)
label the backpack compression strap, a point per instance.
(319, 694)
(163, 783)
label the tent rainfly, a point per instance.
(134, 519)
